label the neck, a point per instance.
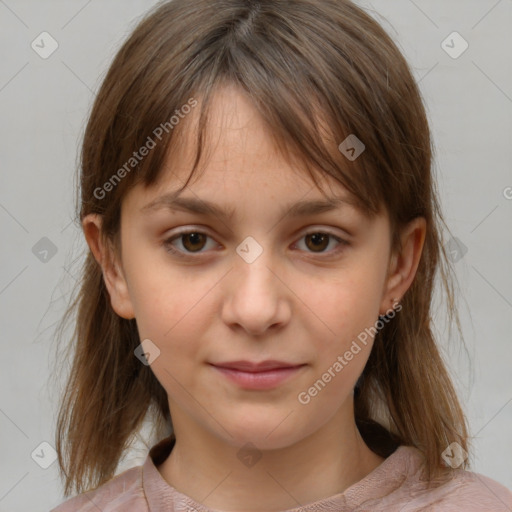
(221, 476)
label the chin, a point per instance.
(265, 431)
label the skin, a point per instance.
(296, 302)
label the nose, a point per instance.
(256, 295)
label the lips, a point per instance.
(251, 367)
(265, 375)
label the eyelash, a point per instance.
(190, 255)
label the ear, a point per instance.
(403, 265)
(106, 256)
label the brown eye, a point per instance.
(317, 241)
(323, 243)
(187, 242)
(193, 241)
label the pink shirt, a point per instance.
(395, 485)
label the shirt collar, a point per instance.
(386, 478)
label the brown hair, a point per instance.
(317, 71)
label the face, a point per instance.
(262, 283)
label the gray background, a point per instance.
(44, 104)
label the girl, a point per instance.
(264, 234)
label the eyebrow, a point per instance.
(173, 201)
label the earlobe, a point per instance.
(404, 265)
(106, 257)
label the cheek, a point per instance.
(342, 313)
(343, 306)
(172, 320)
(173, 323)
(162, 294)
(175, 311)
(336, 369)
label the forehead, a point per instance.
(240, 160)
